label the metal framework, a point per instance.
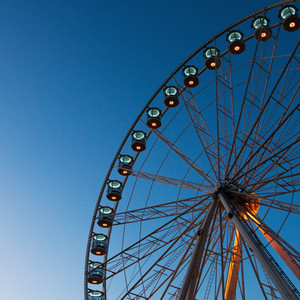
(209, 209)
(279, 278)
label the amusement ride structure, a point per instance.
(201, 200)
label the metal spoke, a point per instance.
(170, 245)
(172, 181)
(263, 108)
(228, 169)
(278, 155)
(185, 158)
(148, 239)
(272, 203)
(165, 210)
(281, 123)
(202, 130)
(270, 234)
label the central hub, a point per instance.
(240, 197)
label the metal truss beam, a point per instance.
(188, 290)
(285, 287)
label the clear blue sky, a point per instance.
(73, 77)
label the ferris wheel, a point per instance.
(201, 200)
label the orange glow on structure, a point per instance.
(292, 24)
(94, 281)
(263, 35)
(252, 205)
(125, 172)
(237, 48)
(236, 256)
(233, 271)
(213, 64)
(137, 148)
(291, 263)
(171, 102)
(191, 82)
(153, 124)
(104, 224)
(113, 198)
(98, 252)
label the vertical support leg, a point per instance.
(188, 290)
(234, 266)
(284, 286)
(291, 263)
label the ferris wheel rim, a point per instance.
(147, 106)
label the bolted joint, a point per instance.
(230, 214)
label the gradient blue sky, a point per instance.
(73, 77)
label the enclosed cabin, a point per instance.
(95, 295)
(105, 217)
(290, 19)
(125, 165)
(153, 118)
(212, 58)
(95, 273)
(99, 244)
(262, 30)
(138, 140)
(114, 190)
(190, 76)
(171, 96)
(236, 43)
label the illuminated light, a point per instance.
(154, 124)
(137, 148)
(191, 82)
(113, 197)
(98, 252)
(292, 24)
(252, 205)
(263, 35)
(237, 48)
(104, 225)
(213, 64)
(171, 102)
(125, 172)
(94, 281)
